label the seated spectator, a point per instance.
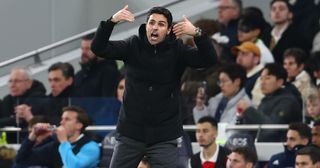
(265, 35)
(294, 63)
(72, 148)
(40, 140)
(284, 34)
(308, 157)
(61, 81)
(298, 136)
(242, 157)
(100, 75)
(313, 107)
(23, 101)
(249, 30)
(281, 105)
(315, 130)
(211, 154)
(229, 12)
(223, 107)
(248, 56)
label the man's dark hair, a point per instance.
(38, 119)
(298, 54)
(276, 70)
(208, 119)
(234, 71)
(82, 116)
(252, 10)
(312, 151)
(248, 154)
(209, 26)
(88, 36)
(248, 23)
(290, 6)
(66, 68)
(303, 130)
(163, 11)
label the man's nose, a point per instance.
(155, 26)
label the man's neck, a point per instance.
(75, 137)
(209, 151)
(278, 28)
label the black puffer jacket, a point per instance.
(150, 111)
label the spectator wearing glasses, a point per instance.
(229, 12)
(223, 106)
(23, 101)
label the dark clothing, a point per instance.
(46, 155)
(150, 111)
(55, 104)
(284, 159)
(290, 38)
(231, 31)
(34, 97)
(30, 97)
(97, 78)
(283, 106)
(129, 152)
(222, 158)
(306, 20)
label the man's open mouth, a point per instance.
(154, 35)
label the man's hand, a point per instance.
(38, 130)
(61, 134)
(242, 107)
(123, 15)
(184, 27)
(23, 111)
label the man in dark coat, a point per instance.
(61, 81)
(282, 103)
(284, 34)
(23, 101)
(149, 122)
(97, 77)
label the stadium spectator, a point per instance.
(248, 56)
(281, 105)
(249, 29)
(223, 107)
(229, 12)
(98, 74)
(23, 101)
(284, 34)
